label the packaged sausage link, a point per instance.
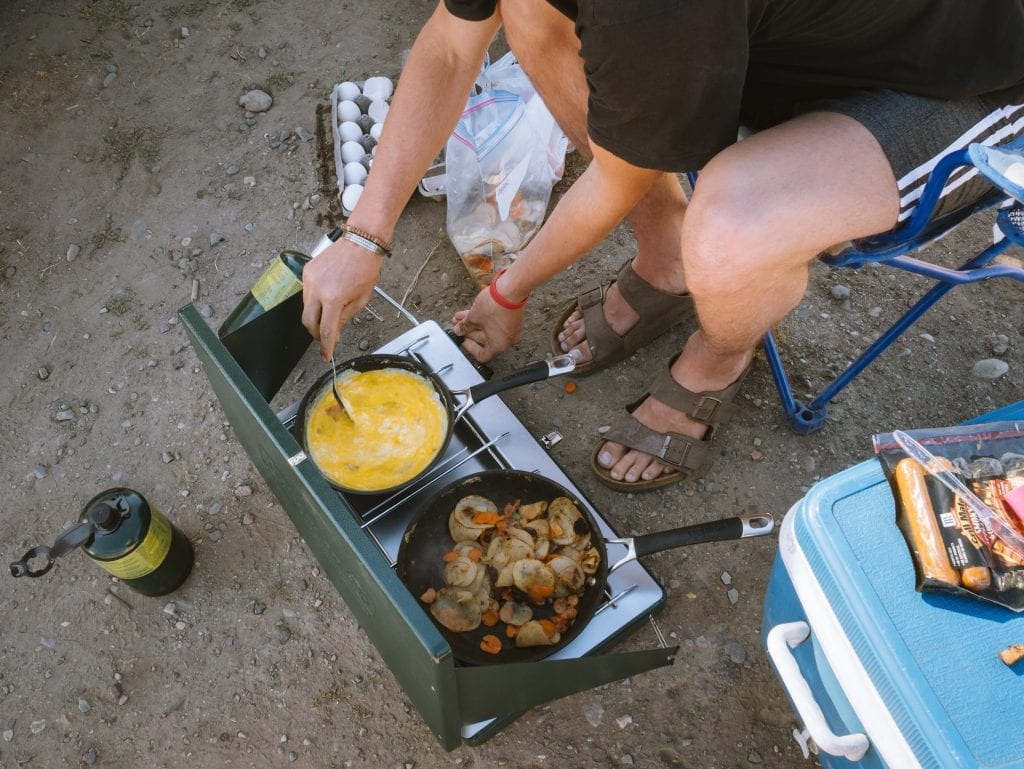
(953, 549)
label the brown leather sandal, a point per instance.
(687, 456)
(658, 312)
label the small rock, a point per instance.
(9, 272)
(73, 251)
(726, 578)
(109, 79)
(258, 607)
(734, 595)
(623, 721)
(735, 652)
(999, 343)
(754, 757)
(89, 757)
(8, 735)
(364, 345)
(37, 726)
(167, 457)
(43, 373)
(256, 101)
(170, 609)
(83, 705)
(927, 338)
(248, 519)
(215, 238)
(65, 415)
(231, 170)
(184, 32)
(594, 715)
(243, 491)
(283, 634)
(303, 134)
(841, 292)
(990, 368)
(39, 472)
(114, 692)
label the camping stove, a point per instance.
(490, 436)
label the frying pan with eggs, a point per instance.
(401, 421)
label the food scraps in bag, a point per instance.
(953, 551)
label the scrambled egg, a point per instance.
(397, 426)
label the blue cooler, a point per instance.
(882, 676)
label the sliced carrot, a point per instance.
(487, 518)
(511, 507)
(538, 593)
(556, 530)
(570, 387)
(490, 644)
(450, 556)
(474, 555)
(511, 630)
(429, 595)
(489, 618)
(502, 526)
(549, 627)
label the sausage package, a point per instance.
(959, 546)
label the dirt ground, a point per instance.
(129, 176)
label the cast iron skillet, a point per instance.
(426, 540)
(533, 372)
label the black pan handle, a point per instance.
(482, 368)
(737, 527)
(534, 372)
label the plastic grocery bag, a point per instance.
(502, 160)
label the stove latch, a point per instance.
(551, 439)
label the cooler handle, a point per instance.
(781, 639)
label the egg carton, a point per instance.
(358, 110)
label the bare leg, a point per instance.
(762, 211)
(546, 45)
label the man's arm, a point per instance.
(435, 83)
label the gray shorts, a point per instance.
(915, 131)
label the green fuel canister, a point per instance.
(136, 543)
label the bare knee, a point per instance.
(726, 233)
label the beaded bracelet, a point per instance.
(501, 301)
(366, 240)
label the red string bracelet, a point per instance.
(499, 299)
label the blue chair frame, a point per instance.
(1003, 167)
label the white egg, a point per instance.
(352, 151)
(350, 196)
(350, 131)
(348, 110)
(348, 90)
(378, 110)
(354, 172)
(375, 130)
(378, 87)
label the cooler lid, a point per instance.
(928, 660)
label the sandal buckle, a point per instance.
(711, 404)
(674, 451)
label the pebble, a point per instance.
(258, 607)
(184, 33)
(43, 373)
(83, 705)
(167, 457)
(243, 491)
(37, 726)
(9, 272)
(754, 757)
(594, 715)
(170, 609)
(927, 337)
(231, 170)
(256, 101)
(89, 757)
(215, 238)
(73, 251)
(109, 79)
(623, 721)
(841, 292)
(364, 345)
(248, 519)
(303, 134)
(283, 634)
(8, 735)
(990, 368)
(114, 692)
(1000, 343)
(726, 578)
(65, 416)
(734, 595)
(735, 652)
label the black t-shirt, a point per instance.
(671, 80)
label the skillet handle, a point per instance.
(534, 372)
(738, 527)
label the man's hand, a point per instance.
(335, 286)
(489, 329)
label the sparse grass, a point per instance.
(44, 79)
(175, 12)
(332, 693)
(107, 13)
(109, 234)
(277, 81)
(123, 145)
(120, 302)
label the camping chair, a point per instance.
(1003, 167)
